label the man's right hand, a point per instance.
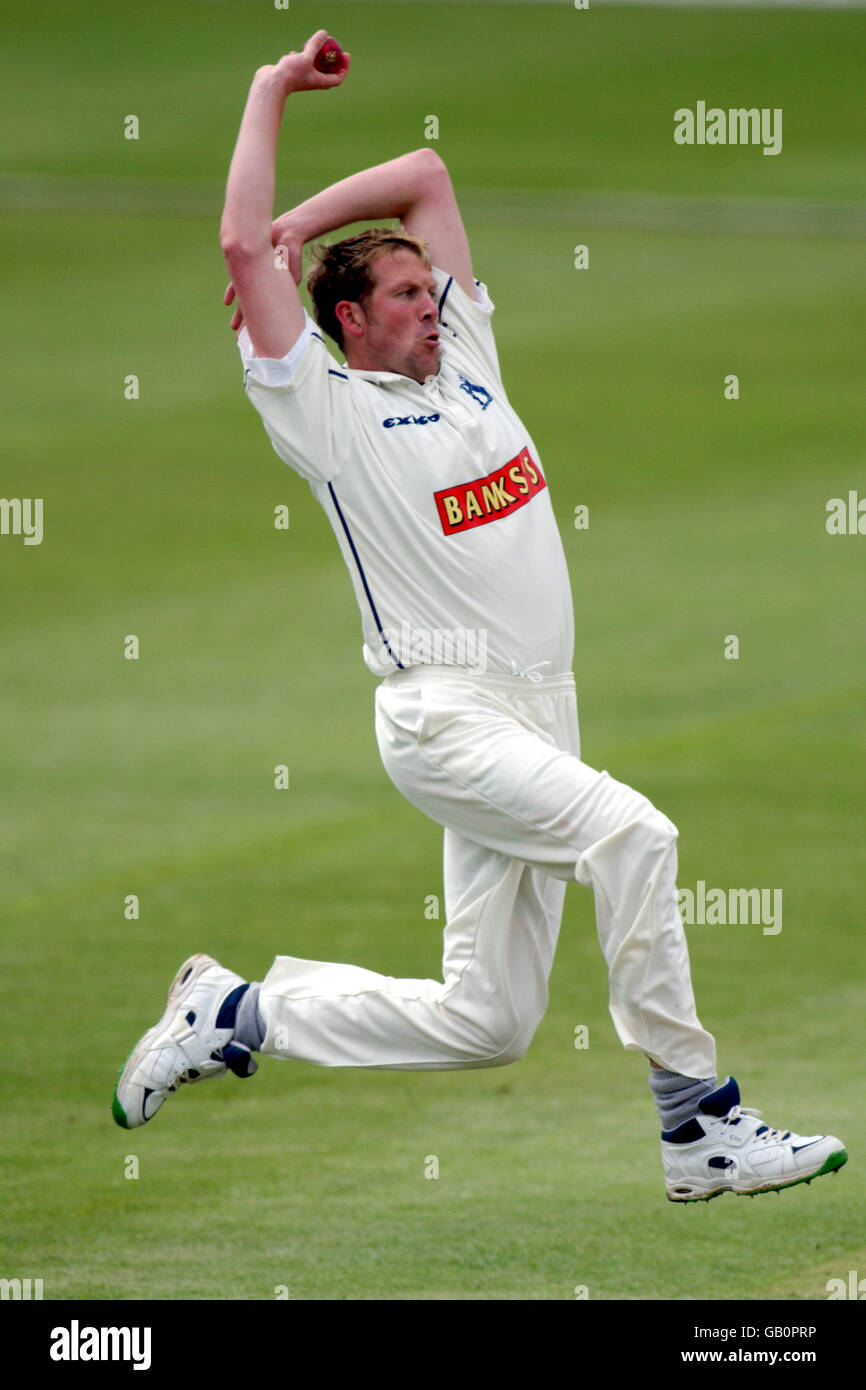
(293, 73)
(296, 73)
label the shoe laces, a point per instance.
(765, 1133)
(194, 1073)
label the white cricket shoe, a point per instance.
(726, 1149)
(190, 1043)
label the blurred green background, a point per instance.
(155, 777)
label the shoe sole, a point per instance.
(188, 973)
(832, 1164)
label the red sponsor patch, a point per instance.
(486, 499)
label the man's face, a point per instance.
(398, 324)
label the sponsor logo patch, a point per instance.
(409, 420)
(486, 499)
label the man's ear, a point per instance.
(351, 318)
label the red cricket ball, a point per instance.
(329, 57)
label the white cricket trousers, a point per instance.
(496, 761)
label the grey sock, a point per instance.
(249, 1025)
(676, 1096)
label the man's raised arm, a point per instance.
(267, 293)
(415, 187)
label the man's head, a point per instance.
(374, 294)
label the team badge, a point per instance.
(479, 394)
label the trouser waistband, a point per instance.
(492, 680)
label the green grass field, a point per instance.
(155, 777)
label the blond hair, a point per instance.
(342, 270)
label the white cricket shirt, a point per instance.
(436, 493)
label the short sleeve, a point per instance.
(274, 371)
(468, 320)
(303, 401)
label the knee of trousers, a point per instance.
(645, 835)
(660, 833)
(500, 1037)
(647, 828)
(500, 1053)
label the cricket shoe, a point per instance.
(191, 1042)
(725, 1148)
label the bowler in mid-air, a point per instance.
(440, 505)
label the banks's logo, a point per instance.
(486, 499)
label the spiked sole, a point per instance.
(830, 1165)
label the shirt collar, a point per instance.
(384, 377)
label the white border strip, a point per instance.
(647, 4)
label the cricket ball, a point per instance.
(329, 57)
